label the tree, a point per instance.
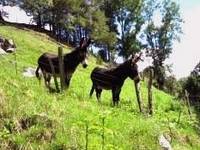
(172, 86)
(126, 19)
(192, 84)
(160, 38)
(90, 19)
(61, 16)
(196, 71)
(71, 19)
(101, 33)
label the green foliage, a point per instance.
(77, 18)
(33, 118)
(172, 86)
(192, 84)
(100, 31)
(126, 19)
(160, 38)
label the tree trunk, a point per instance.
(80, 32)
(53, 29)
(39, 21)
(150, 91)
(59, 33)
(109, 55)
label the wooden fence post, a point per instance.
(137, 90)
(150, 91)
(15, 55)
(54, 75)
(61, 68)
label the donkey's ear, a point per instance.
(132, 56)
(88, 41)
(82, 42)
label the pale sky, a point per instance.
(16, 15)
(186, 54)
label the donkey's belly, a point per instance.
(103, 87)
(102, 80)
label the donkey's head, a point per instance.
(134, 73)
(82, 49)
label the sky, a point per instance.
(185, 54)
(16, 15)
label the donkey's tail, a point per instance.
(92, 90)
(37, 73)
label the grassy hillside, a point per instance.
(33, 118)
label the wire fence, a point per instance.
(98, 76)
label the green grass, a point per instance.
(33, 118)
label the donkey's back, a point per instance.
(44, 62)
(104, 78)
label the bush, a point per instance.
(192, 84)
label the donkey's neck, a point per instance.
(122, 71)
(71, 60)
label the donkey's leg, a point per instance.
(92, 90)
(48, 79)
(117, 96)
(114, 96)
(98, 93)
(67, 82)
(45, 78)
(37, 74)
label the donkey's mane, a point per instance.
(121, 65)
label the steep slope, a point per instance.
(31, 117)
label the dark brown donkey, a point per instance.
(71, 61)
(113, 79)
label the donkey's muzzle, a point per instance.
(85, 65)
(137, 79)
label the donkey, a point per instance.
(70, 61)
(113, 79)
